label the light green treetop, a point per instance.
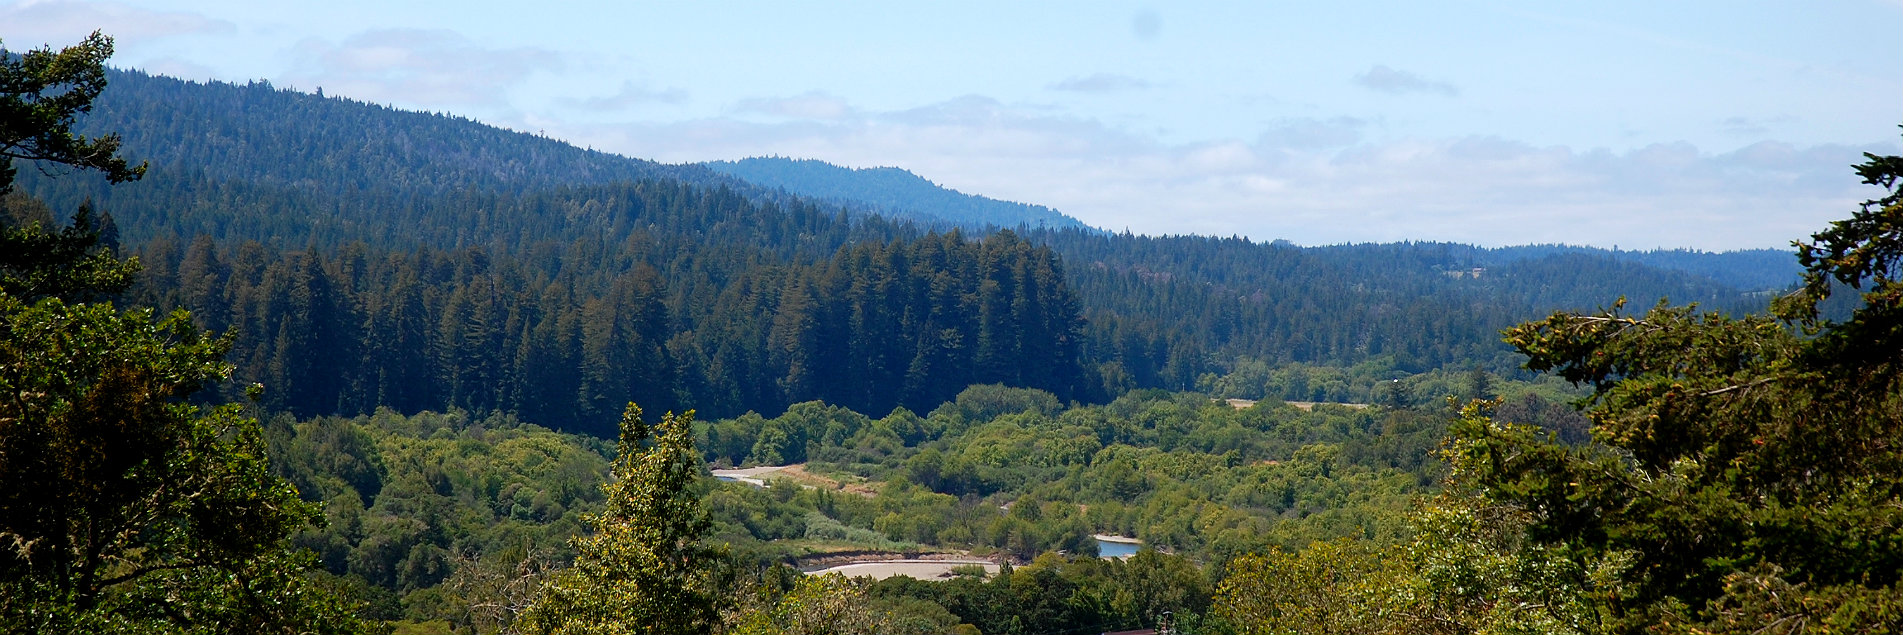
(645, 569)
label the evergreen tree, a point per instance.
(645, 570)
(1750, 472)
(125, 509)
(41, 91)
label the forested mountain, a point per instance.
(1727, 471)
(1165, 310)
(1747, 269)
(258, 134)
(367, 256)
(892, 192)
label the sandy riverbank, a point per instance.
(920, 569)
(750, 476)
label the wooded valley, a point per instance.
(323, 366)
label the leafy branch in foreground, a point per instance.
(1753, 475)
(41, 91)
(1746, 476)
(125, 508)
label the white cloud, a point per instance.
(1750, 127)
(814, 105)
(1100, 83)
(1313, 134)
(1310, 181)
(1396, 82)
(60, 23)
(629, 96)
(413, 67)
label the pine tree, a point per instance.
(646, 569)
(1749, 470)
(41, 91)
(125, 508)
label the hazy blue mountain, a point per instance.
(892, 192)
(257, 133)
(259, 142)
(250, 162)
(896, 192)
(1748, 269)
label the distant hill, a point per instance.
(319, 148)
(258, 143)
(898, 193)
(892, 192)
(256, 133)
(491, 247)
(1749, 269)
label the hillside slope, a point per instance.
(892, 191)
(499, 256)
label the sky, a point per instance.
(1688, 124)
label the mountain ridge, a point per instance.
(213, 130)
(894, 191)
(342, 181)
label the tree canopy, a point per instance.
(1749, 471)
(41, 91)
(126, 507)
(1744, 475)
(645, 570)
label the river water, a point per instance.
(1116, 549)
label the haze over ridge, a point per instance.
(1690, 125)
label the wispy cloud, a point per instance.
(62, 22)
(1398, 82)
(813, 105)
(1313, 134)
(423, 68)
(1101, 83)
(1752, 127)
(1313, 181)
(180, 68)
(630, 96)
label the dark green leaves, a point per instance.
(124, 508)
(40, 92)
(1753, 475)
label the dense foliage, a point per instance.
(124, 508)
(562, 337)
(645, 568)
(1744, 475)
(431, 515)
(304, 174)
(372, 268)
(42, 91)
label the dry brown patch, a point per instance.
(1310, 405)
(798, 473)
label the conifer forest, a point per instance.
(279, 362)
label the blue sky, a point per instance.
(1712, 125)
